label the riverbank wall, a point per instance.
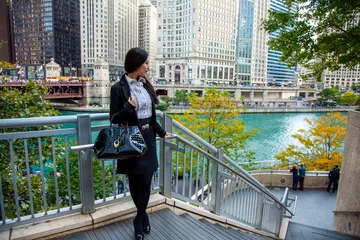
(181, 110)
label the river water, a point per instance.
(275, 131)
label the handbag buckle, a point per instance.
(116, 143)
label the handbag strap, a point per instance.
(112, 118)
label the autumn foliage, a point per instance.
(215, 118)
(320, 145)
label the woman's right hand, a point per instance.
(132, 101)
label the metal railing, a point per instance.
(190, 170)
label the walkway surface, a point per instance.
(314, 206)
(313, 216)
(312, 221)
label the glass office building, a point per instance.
(47, 29)
(244, 41)
(277, 71)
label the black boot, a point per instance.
(146, 224)
(139, 235)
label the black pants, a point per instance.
(335, 186)
(301, 181)
(140, 185)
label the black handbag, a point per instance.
(119, 142)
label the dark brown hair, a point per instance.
(134, 58)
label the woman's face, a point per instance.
(144, 68)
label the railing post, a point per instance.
(216, 184)
(83, 131)
(259, 210)
(165, 180)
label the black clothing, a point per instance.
(126, 114)
(295, 178)
(140, 192)
(334, 176)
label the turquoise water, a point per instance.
(275, 131)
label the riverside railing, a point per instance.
(190, 170)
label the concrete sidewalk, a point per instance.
(314, 206)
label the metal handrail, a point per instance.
(192, 145)
(241, 172)
(83, 121)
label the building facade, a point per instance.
(108, 30)
(154, 3)
(44, 30)
(196, 41)
(277, 71)
(147, 32)
(251, 43)
(343, 78)
(7, 52)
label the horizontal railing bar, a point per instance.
(36, 121)
(39, 217)
(287, 171)
(33, 134)
(40, 121)
(90, 146)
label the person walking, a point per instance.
(302, 173)
(132, 102)
(334, 176)
(294, 171)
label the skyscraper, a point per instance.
(277, 71)
(147, 32)
(256, 63)
(46, 29)
(251, 47)
(108, 30)
(196, 41)
(7, 52)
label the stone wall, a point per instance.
(276, 179)
(348, 198)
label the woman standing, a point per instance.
(132, 102)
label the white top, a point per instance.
(142, 97)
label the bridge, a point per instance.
(73, 89)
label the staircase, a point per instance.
(166, 225)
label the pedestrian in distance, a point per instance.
(302, 173)
(294, 171)
(334, 176)
(132, 102)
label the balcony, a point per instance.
(193, 178)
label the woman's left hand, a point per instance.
(167, 135)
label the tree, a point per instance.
(5, 64)
(30, 102)
(318, 35)
(349, 98)
(355, 86)
(215, 118)
(320, 145)
(329, 96)
(181, 96)
(16, 103)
